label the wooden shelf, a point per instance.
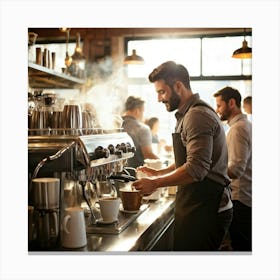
(43, 77)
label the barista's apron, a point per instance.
(196, 209)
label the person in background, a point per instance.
(247, 106)
(153, 123)
(203, 209)
(239, 143)
(139, 132)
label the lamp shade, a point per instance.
(133, 59)
(244, 52)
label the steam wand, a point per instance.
(50, 158)
(59, 153)
(93, 218)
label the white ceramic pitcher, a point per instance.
(74, 228)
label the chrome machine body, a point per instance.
(73, 153)
(84, 159)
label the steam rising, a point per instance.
(106, 96)
(108, 92)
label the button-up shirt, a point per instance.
(205, 141)
(239, 142)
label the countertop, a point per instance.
(141, 235)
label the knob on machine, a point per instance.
(100, 152)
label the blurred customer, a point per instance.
(239, 142)
(138, 131)
(153, 123)
(203, 209)
(247, 106)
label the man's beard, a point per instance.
(173, 102)
(225, 115)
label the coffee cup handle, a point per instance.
(65, 221)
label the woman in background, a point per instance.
(153, 123)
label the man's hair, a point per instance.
(171, 72)
(228, 93)
(133, 103)
(248, 100)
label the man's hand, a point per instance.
(145, 186)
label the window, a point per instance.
(208, 60)
(217, 60)
(155, 51)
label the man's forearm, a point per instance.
(178, 177)
(167, 170)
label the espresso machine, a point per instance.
(78, 161)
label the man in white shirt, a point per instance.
(239, 143)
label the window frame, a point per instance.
(201, 77)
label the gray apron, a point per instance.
(196, 208)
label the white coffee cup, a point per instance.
(74, 228)
(109, 208)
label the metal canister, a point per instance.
(40, 122)
(72, 119)
(46, 193)
(56, 122)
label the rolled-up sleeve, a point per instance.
(198, 134)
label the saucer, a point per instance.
(100, 221)
(129, 211)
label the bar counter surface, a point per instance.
(151, 228)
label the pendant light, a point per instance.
(133, 59)
(244, 52)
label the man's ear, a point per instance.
(178, 86)
(232, 103)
